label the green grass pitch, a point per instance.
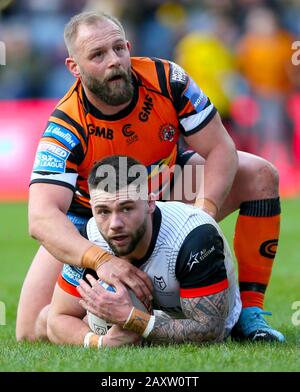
(17, 250)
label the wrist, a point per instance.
(139, 322)
(94, 257)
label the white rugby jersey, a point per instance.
(188, 257)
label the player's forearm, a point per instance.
(58, 235)
(64, 329)
(166, 331)
(205, 321)
(219, 172)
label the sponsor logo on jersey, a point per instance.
(193, 260)
(146, 108)
(72, 274)
(53, 148)
(159, 282)
(196, 96)
(167, 132)
(61, 134)
(106, 133)
(177, 74)
(51, 158)
(204, 253)
(268, 248)
(196, 257)
(129, 133)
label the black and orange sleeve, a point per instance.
(194, 108)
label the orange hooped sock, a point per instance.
(255, 245)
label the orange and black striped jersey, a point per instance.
(166, 102)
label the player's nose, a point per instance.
(116, 222)
(113, 59)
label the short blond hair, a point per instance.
(88, 19)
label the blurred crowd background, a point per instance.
(238, 51)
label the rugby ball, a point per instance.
(100, 326)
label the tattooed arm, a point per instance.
(205, 321)
(205, 316)
(200, 268)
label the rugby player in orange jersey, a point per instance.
(139, 107)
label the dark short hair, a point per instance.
(122, 176)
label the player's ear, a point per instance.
(129, 46)
(91, 203)
(72, 67)
(151, 202)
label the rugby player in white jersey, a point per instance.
(180, 247)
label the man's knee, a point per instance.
(39, 332)
(41, 278)
(266, 178)
(271, 174)
(50, 328)
(41, 324)
(257, 178)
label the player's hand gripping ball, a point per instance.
(100, 326)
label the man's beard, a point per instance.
(112, 93)
(135, 239)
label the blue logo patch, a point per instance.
(51, 158)
(61, 134)
(196, 96)
(72, 274)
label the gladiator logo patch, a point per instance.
(167, 133)
(269, 248)
(159, 282)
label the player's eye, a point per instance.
(127, 209)
(102, 212)
(97, 55)
(120, 48)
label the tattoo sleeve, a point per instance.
(205, 321)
